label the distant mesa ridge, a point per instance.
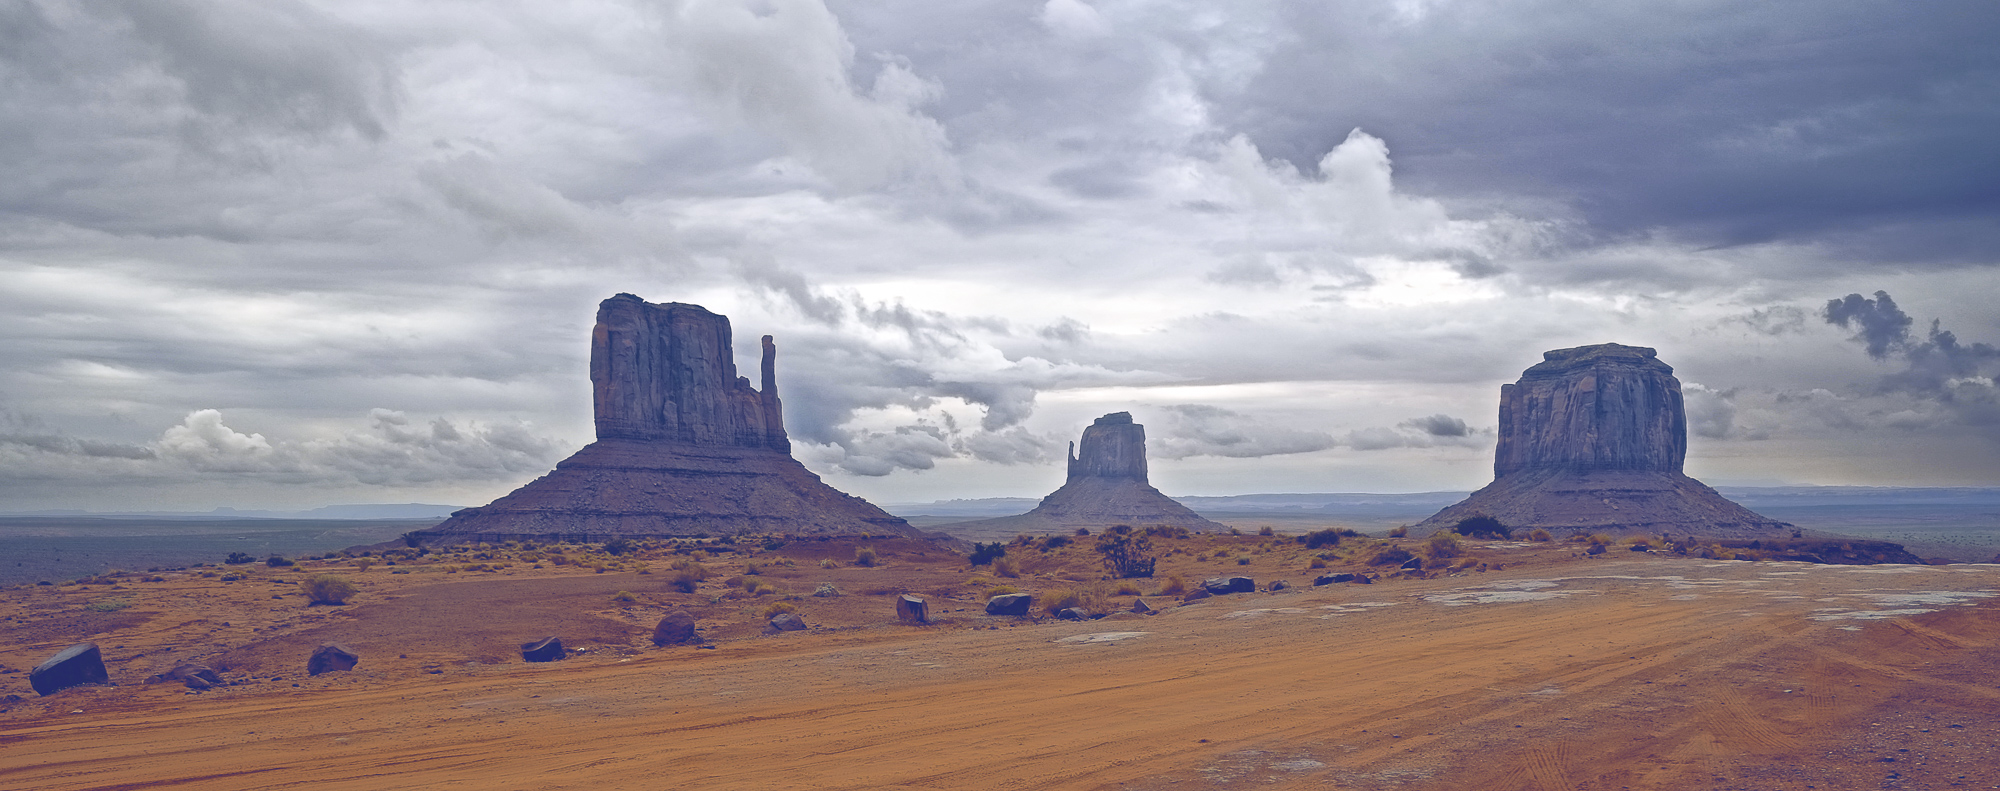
(1106, 486)
(1593, 439)
(684, 447)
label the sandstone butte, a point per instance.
(685, 447)
(1106, 486)
(1592, 439)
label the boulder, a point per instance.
(330, 657)
(676, 628)
(1595, 549)
(547, 649)
(74, 666)
(912, 609)
(826, 590)
(1413, 564)
(1073, 614)
(1277, 585)
(1139, 606)
(1195, 595)
(787, 622)
(192, 675)
(1218, 586)
(1329, 579)
(1010, 604)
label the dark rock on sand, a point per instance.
(74, 666)
(547, 649)
(330, 657)
(676, 628)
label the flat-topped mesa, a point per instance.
(1112, 447)
(685, 447)
(1593, 439)
(1603, 407)
(667, 372)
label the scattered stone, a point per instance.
(547, 649)
(330, 657)
(1329, 579)
(1413, 564)
(787, 622)
(676, 628)
(194, 676)
(1218, 586)
(1073, 614)
(1278, 585)
(826, 590)
(1139, 606)
(912, 609)
(1010, 604)
(1595, 549)
(1741, 556)
(1195, 595)
(74, 666)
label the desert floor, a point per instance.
(1550, 670)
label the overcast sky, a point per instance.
(273, 253)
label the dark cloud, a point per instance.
(1439, 426)
(1185, 430)
(1878, 322)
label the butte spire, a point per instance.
(1592, 440)
(1106, 486)
(684, 447)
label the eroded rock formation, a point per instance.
(684, 447)
(1592, 439)
(1106, 486)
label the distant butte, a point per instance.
(1106, 486)
(684, 447)
(1592, 439)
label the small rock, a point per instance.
(826, 590)
(1595, 549)
(1073, 614)
(1195, 595)
(74, 666)
(1278, 585)
(1218, 586)
(1010, 604)
(787, 622)
(1329, 579)
(330, 657)
(676, 628)
(547, 649)
(1413, 564)
(1741, 556)
(1139, 606)
(912, 609)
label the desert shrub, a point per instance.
(759, 588)
(1059, 599)
(828, 563)
(1083, 531)
(328, 589)
(864, 556)
(108, 605)
(1389, 556)
(983, 554)
(1126, 589)
(1127, 552)
(999, 590)
(1481, 525)
(619, 545)
(1539, 534)
(1400, 532)
(1054, 543)
(1317, 563)
(1167, 531)
(1598, 539)
(1006, 567)
(236, 558)
(1243, 560)
(1329, 537)
(1443, 544)
(1174, 586)
(777, 608)
(733, 582)
(1266, 531)
(624, 597)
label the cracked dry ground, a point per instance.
(1557, 673)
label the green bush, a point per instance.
(1127, 552)
(238, 558)
(1390, 556)
(983, 554)
(864, 556)
(1442, 544)
(328, 589)
(1481, 525)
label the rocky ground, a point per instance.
(1515, 665)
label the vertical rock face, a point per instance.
(1112, 447)
(684, 447)
(668, 372)
(1106, 486)
(1594, 438)
(1603, 407)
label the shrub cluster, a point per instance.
(328, 589)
